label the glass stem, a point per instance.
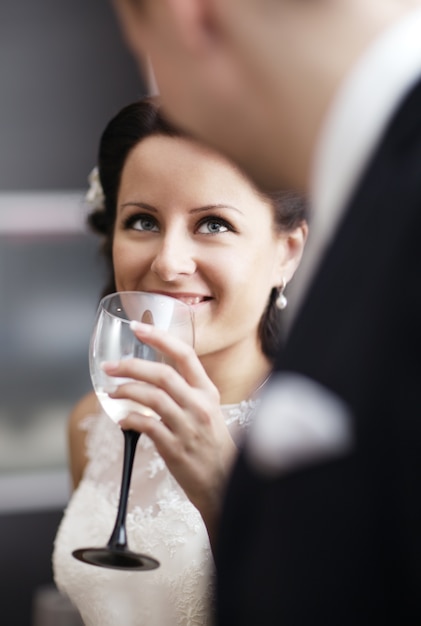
(118, 539)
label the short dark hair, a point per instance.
(132, 124)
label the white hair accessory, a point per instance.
(95, 195)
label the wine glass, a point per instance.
(112, 339)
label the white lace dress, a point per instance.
(161, 522)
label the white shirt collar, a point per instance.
(369, 96)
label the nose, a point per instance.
(174, 258)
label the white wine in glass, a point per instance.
(113, 340)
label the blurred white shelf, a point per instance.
(43, 212)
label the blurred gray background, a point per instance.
(64, 72)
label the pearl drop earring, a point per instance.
(281, 301)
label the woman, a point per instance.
(181, 220)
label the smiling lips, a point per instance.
(189, 299)
(192, 300)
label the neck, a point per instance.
(237, 372)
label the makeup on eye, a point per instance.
(212, 224)
(212, 221)
(146, 222)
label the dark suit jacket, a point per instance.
(338, 542)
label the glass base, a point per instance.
(115, 558)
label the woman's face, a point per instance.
(189, 225)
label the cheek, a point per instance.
(244, 286)
(253, 270)
(119, 258)
(253, 280)
(127, 262)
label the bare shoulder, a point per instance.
(87, 405)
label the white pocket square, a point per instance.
(298, 422)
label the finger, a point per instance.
(180, 454)
(163, 438)
(151, 398)
(175, 451)
(178, 351)
(158, 376)
(189, 415)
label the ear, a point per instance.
(290, 251)
(195, 22)
(190, 21)
(131, 25)
(186, 27)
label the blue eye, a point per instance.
(143, 223)
(212, 226)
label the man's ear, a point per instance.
(129, 16)
(191, 23)
(195, 22)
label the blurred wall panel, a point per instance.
(64, 72)
(51, 278)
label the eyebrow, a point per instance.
(200, 209)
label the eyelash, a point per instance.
(131, 220)
(216, 220)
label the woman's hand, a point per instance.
(191, 435)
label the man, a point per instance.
(321, 522)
